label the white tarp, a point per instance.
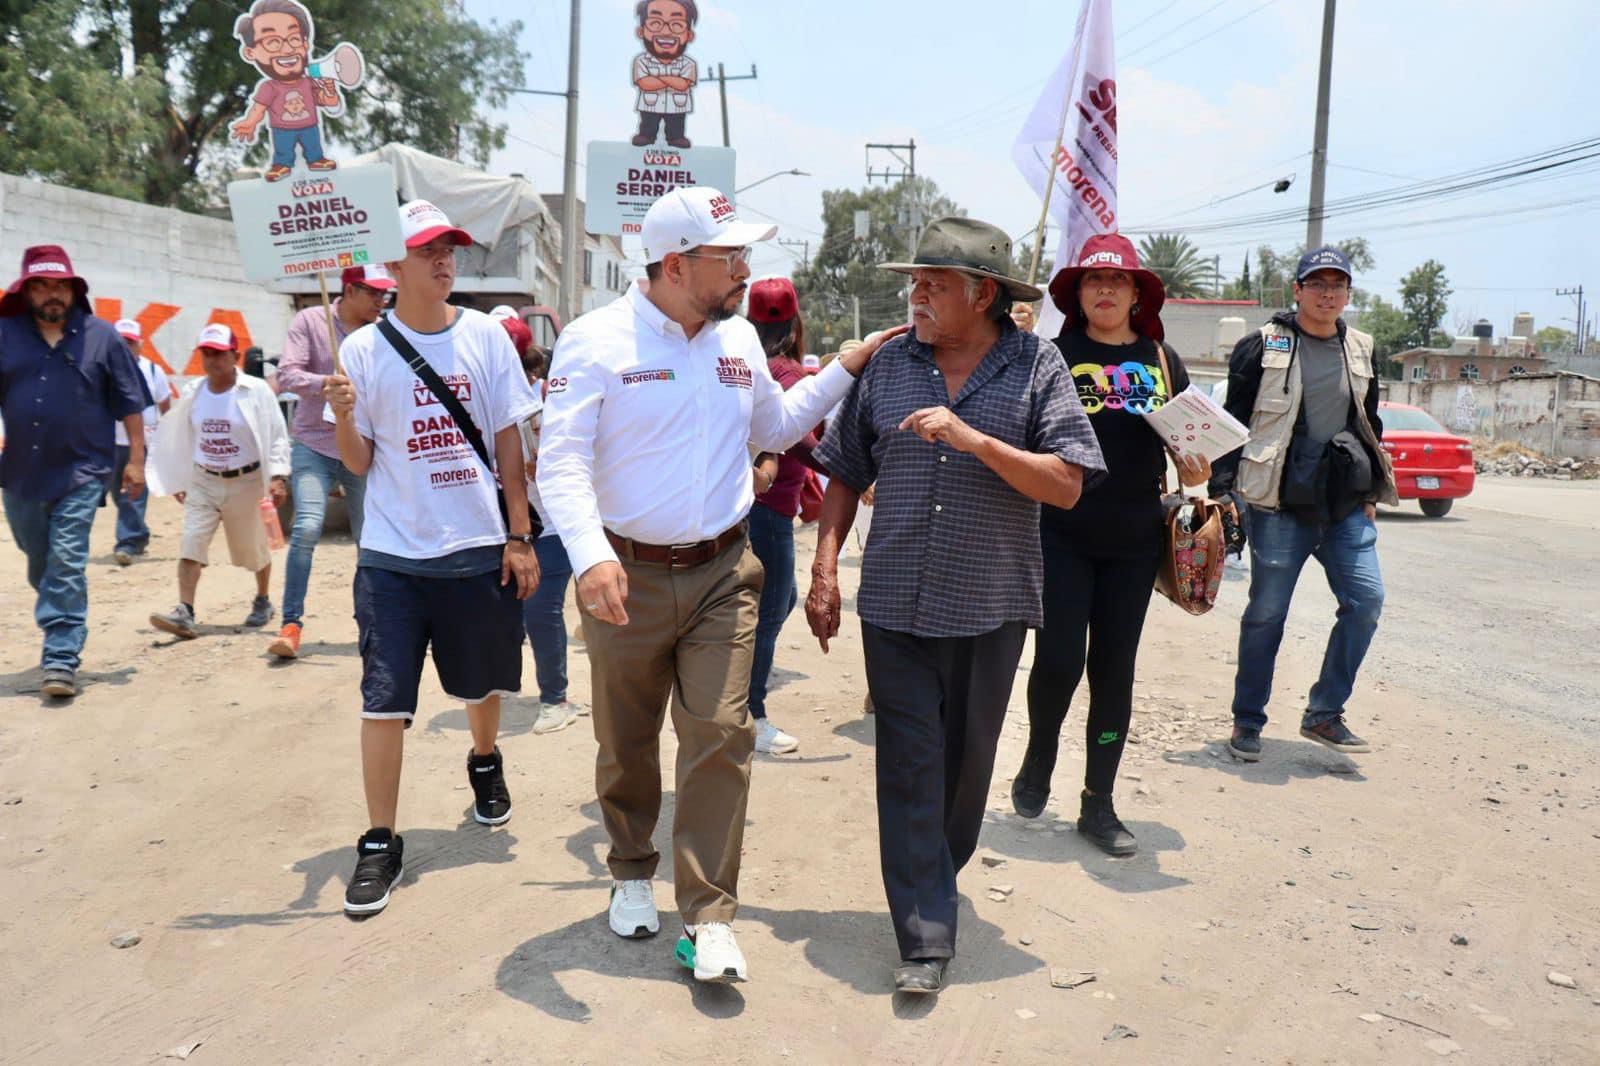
(484, 205)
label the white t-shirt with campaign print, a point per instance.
(428, 494)
(160, 389)
(222, 438)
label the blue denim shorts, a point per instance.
(474, 625)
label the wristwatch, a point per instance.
(526, 538)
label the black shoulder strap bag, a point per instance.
(469, 429)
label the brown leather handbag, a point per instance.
(1194, 541)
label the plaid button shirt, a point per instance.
(954, 550)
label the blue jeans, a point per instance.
(312, 475)
(283, 142)
(133, 536)
(772, 539)
(1280, 544)
(54, 535)
(543, 618)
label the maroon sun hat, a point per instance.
(43, 261)
(773, 300)
(1112, 251)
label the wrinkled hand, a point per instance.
(133, 481)
(1193, 469)
(519, 561)
(936, 424)
(278, 489)
(870, 497)
(340, 394)
(856, 361)
(603, 593)
(823, 605)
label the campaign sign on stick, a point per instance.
(320, 222)
(625, 179)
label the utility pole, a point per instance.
(855, 314)
(571, 240)
(805, 250)
(1319, 145)
(1216, 271)
(907, 175)
(1578, 292)
(723, 78)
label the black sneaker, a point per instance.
(1334, 734)
(378, 870)
(491, 802)
(1098, 821)
(1245, 743)
(1031, 789)
(59, 683)
(261, 612)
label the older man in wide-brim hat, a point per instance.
(965, 425)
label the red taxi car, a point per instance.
(1431, 465)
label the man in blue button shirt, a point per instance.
(65, 379)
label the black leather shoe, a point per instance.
(1098, 822)
(1031, 789)
(1245, 743)
(920, 977)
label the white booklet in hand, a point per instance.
(1192, 423)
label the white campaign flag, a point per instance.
(1082, 94)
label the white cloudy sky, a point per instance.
(1215, 96)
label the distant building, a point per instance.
(1203, 332)
(1479, 357)
(603, 272)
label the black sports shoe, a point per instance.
(1334, 734)
(1098, 821)
(378, 870)
(491, 802)
(1245, 743)
(1031, 789)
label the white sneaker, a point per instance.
(711, 952)
(633, 910)
(772, 740)
(554, 717)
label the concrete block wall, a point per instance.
(1557, 415)
(174, 271)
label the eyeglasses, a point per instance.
(1332, 288)
(666, 26)
(274, 45)
(731, 260)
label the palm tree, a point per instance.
(1177, 262)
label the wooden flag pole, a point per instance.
(1044, 212)
(327, 313)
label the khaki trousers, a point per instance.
(690, 637)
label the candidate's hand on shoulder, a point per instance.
(856, 361)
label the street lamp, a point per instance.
(797, 172)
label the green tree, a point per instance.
(67, 113)
(1275, 272)
(1176, 261)
(843, 267)
(1022, 258)
(1555, 340)
(1425, 295)
(433, 75)
(1392, 333)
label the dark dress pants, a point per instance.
(940, 702)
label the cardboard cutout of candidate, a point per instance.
(275, 37)
(664, 75)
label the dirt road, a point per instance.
(1300, 910)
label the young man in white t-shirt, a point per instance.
(437, 564)
(133, 535)
(221, 450)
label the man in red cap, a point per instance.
(65, 377)
(308, 359)
(223, 449)
(429, 407)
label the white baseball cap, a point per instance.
(421, 222)
(129, 329)
(503, 311)
(217, 337)
(688, 217)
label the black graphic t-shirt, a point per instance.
(1120, 517)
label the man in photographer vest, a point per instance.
(1311, 477)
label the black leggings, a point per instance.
(1099, 605)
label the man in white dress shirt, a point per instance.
(133, 534)
(644, 469)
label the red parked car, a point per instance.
(1431, 465)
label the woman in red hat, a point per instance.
(1100, 557)
(774, 309)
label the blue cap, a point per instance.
(1327, 258)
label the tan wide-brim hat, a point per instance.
(972, 247)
